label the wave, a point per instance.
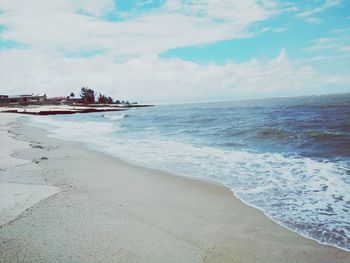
(115, 117)
(271, 132)
(279, 133)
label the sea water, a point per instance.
(289, 157)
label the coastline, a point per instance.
(110, 210)
(67, 109)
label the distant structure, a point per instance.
(31, 99)
(22, 99)
(63, 100)
(4, 99)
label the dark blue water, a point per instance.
(309, 126)
(289, 157)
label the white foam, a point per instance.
(115, 117)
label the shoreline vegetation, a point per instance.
(87, 103)
(96, 208)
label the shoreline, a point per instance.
(195, 178)
(205, 180)
(66, 109)
(209, 224)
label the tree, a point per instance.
(72, 95)
(87, 95)
(102, 99)
(110, 100)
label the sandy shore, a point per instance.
(111, 211)
(47, 109)
(17, 195)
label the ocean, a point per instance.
(289, 157)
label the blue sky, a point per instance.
(293, 34)
(176, 50)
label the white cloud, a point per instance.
(56, 25)
(229, 10)
(322, 44)
(327, 4)
(345, 49)
(42, 7)
(151, 79)
(325, 58)
(313, 20)
(337, 42)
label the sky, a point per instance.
(169, 51)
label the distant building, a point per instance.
(74, 100)
(4, 99)
(58, 100)
(27, 99)
(64, 100)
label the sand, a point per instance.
(9, 145)
(112, 211)
(16, 197)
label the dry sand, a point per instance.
(16, 197)
(111, 211)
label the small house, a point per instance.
(27, 99)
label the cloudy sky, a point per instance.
(175, 50)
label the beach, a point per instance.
(95, 208)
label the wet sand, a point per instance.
(112, 211)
